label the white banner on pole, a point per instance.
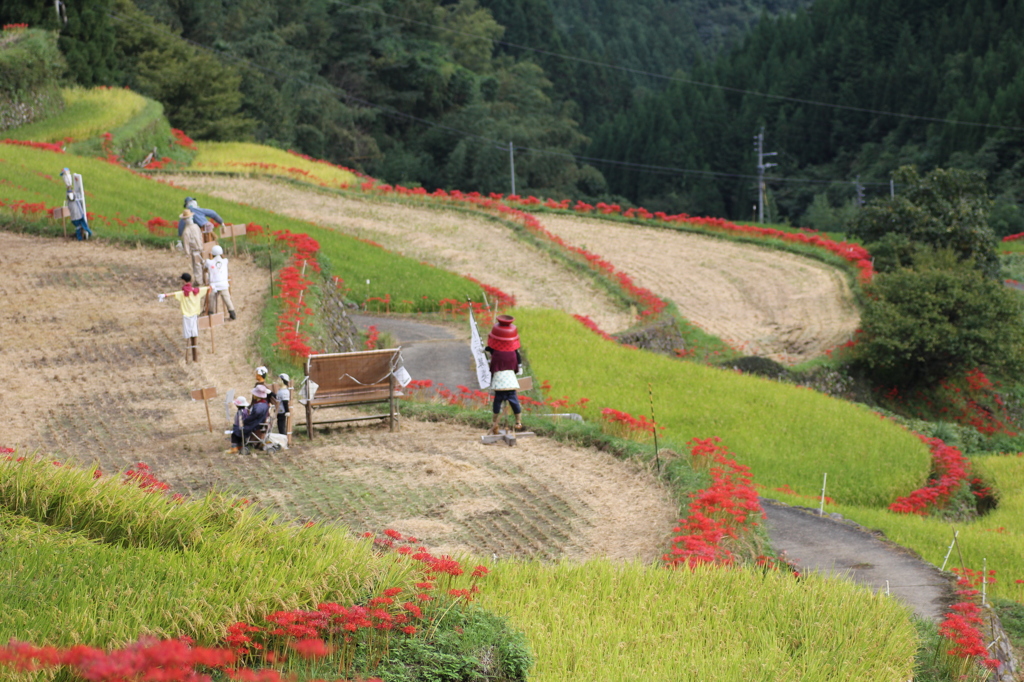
(483, 369)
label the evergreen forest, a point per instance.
(638, 102)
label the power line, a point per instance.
(689, 81)
(395, 113)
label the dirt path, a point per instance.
(765, 302)
(97, 375)
(459, 242)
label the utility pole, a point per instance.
(892, 188)
(860, 193)
(512, 164)
(761, 167)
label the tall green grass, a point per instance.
(99, 562)
(258, 159)
(87, 113)
(787, 435)
(606, 621)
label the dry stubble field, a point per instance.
(96, 374)
(449, 239)
(762, 301)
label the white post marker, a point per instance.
(821, 507)
(949, 551)
(984, 581)
(886, 588)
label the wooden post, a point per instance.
(233, 231)
(210, 322)
(205, 394)
(62, 213)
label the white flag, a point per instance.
(483, 369)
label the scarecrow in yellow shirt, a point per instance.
(190, 298)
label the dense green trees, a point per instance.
(945, 60)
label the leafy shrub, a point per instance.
(30, 65)
(29, 61)
(940, 320)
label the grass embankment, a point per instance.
(258, 159)
(87, 113)
(102, 563)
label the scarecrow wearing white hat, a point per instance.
(192, 240)
(217, 269)
(252, 419)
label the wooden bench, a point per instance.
(358, 378)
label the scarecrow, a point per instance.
(190, 300)
(505, 363)
(75, 203)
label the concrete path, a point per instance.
(842, 549)
(431, 351)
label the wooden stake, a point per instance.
(205, 394)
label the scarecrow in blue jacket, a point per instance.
(205, 218)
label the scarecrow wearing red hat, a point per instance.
(503, 345)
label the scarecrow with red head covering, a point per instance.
(505, 363)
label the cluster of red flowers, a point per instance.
(15, 27)
(962, 623)
(49, 146)
(335, 628)
(313, 634)
(25, 208)
(158, 226)
(1013, 237)
(592, 326)
(157, 164)
(111, 156)
(182, 139)
(501, 299)
(725, 510)
(460, 309)
(950, 470)
(966, 404)
(293, 285)
(372, 334)
(629, 422)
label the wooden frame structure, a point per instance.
(358, 378)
